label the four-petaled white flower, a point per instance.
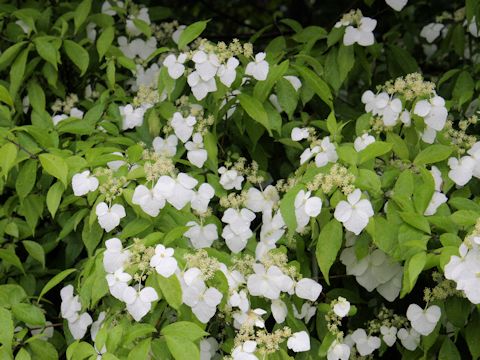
(196, 154)
(165, 147)
(83, 183)
(306, 206)
(139, 302)
(308, 289)
(178, 192)
(205, 64)
(208, 348)
(397, 5)
(175, 65)
(338, 351)
(131, 117)
(299, 134)
(237, 232)
(384, 105)
(258, 69)
(163, 261)
(431, 31)
(410, 339)
(201, 299)
(265, 200)
(230, 179)
(201, 236)
(354, 213)
(365, 344)
(279, 310)
(361, 142)
(299, 342)
(70, 304)
(341, 307)
(227, 72)
(150, 200)
(183, 127)
(307, 311)
(423, 321)
(325, 152)
(78, 325)
(461, 170)
(433, 112)
(246, 351)
(268, 283)
(202, 197)
(362, 35)
(118, 282)
(201, 88)
(389, 334)
(249, 318)
(115, 256)
(109, 217)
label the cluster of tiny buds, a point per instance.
(410, 87)
(203, 215)
(224, 51)
(140, 259)
(386, 317)
(146, 95)
(244, 264)
(113, 186)
(284, 186)
(458, 15)
(377, 125)
(443, 290)
(207, 265)
(157, 165)
(352, 17)
(333, 323)
(338, 177)
(163, 31)
(65, 106)
(280, 260)
(269, 343)
(459, 138)
(233, 200)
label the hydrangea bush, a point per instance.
(310, 196)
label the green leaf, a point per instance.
(104, 41)
(28, 313)
(171, 290)
(417, 221)
(9, 54)
(433, 154)
(47, 51)
(17, 71)
(54, 197)
(191, 32)
(262, 89)
(36, 96)
(345, 61)
(184, 329)
(5, 96)
(287, 96)
(9, 256)
(135, 227)
(319, 86)
(43, 350)
(255, 110)
(8, 155)
(81, 13)
(111, 73)
(448, 351)
(413, 268)
(210, 143)
(328, 245)
(465, 217)
(376, 149)
(140, 351)
(471, 334)
(287, 208)
(55, 166)
(57, 279)
(35, 250)
(6, 328)
(182, 349)
(77, 54)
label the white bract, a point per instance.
(341, 307)
(165, 147)
(227, 72)
(438, 198)
(265, 200)
(246, 351)
(118, 282)
(423, 321)
(178, 192)
(237, 232)
(139, 302)
(299, 134)
(205, 64)
(361, 142)
(163, 261)
(70, 308)
(431, 32)
(208, 348)
(202, 198)
(299, 342)
(383, 105)
(308, 289)
(201, 88)
(114, 257)
(258, 68)
(389, 334)
(183, 126)
(306, 206)
(362, 35)
(279, 311)
(249, 319)
(410, 339)
(201, 236)
(354, 213)
(325, 152)
(433, 112)
(131, 118)
(306, 312)
(338, 351)
(230, 178)
(196, 154)
(269, 282)
(397, 5)
(201, 299)
(83, 183)
(365, 344)
(461, 170)
(175, 65)
(150, 200)
(109, 217)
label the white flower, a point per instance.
(354, 213)
(437, 199)
(279, 311)
(431, 31)
(83, 183)
(107, 7)
(201, 88)
(384, 105)
(299, 134)
(57, 118)
(389, 334)
(114, 257)
(474, 152)
(361, 142)
(341, 307)
(176, 34)
(410, 338)
(96, 325)
(148, 78)
(397, 5)
(70, 305)
(326, 152)
(295, 81)
(196, 154)
(109, 218)
(142, 15)
(273, 228)
(258, 69)
(268, 283)
(239, 299)
(245, 351)
(237, 232)
(205, 64)
(201, 236)
(202, 198)
(175, 65)
(178, 192)
(365, 344)
(227, 72)
(405, 118)
(208, 348)
(472, 27)
(423, 321)
(148, 199)
(201, 299)
(306, 206)
(131, 117)
(76, 113)
(362, 35)
(308, 289)
(230, 179)
(183, 127)
(165, 147)
(163, 261)
(338, 351)
(262, 200)
(78, 325)
(306, 312)
(138, 302)
(461, 171)
(249, 319)
(433, 111)
(118, 282)
(299, 342)
(116, 164)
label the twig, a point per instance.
(20, 147)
